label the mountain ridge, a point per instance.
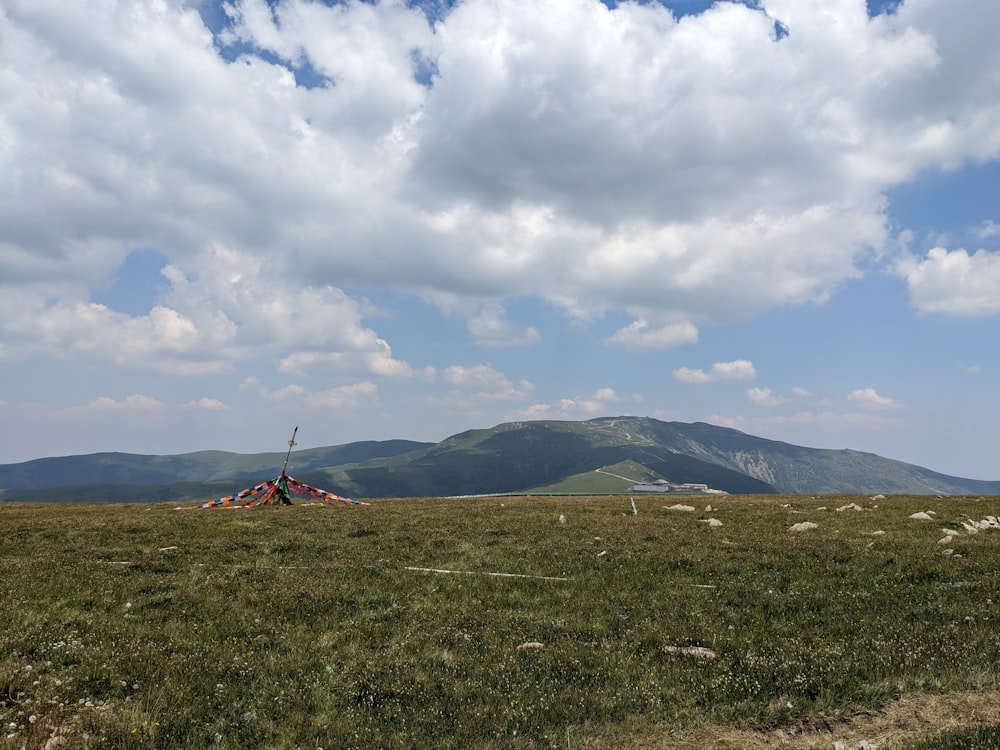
(513, 457)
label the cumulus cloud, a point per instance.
(475, 376)
(988, 229)
(352, 395)
(639, 335)
(136, 403)
(578, 407)
(734, 423)
(490, 328)
(482, 382)
(208, 404)
(869, 398)
(953, 282)
(738, 369)
(765, 397)
(226, 307)
(293, 156)
(597, 158)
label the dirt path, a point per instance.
(899, 725)
(616, 476)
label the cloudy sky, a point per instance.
(399, 219)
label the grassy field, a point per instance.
(312, 626)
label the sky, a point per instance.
(380, 220)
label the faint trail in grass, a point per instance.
(484, 573)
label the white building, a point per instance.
(662, 485)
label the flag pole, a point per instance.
(290, 444)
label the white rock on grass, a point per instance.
(849, 506)
(713, 522)
(804, 526)
(678, 506)
(946, 540)
(530, 644)
(562, 519)
(922, 516)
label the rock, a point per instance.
(921, 516)
(945, 540)
(849, 506)
(804, 526)
(562, 519)
(713, 522)
(530, 644)
(876, 498)
(678, 506)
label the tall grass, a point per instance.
(139, 626)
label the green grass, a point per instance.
(140, 626)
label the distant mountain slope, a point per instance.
(513, 457)
(794, 469)
(202, 466)
(518, 456)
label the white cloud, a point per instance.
(481, 383)
(735, 423)
(954, 282)
(490, 328)
(765, 397)
(738, 369)
(578, 407)
(971, 369)
(352, 395)
(988, 229)
(639, 335)
(344, 397)
(136, 404)
(208, 404)
(225, 309)
(597, 158)
(478, 376)
(869, 398)
(379, 363)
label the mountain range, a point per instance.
(604, 455)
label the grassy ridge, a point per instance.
(139, 626)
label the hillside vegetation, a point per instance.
(560, 622)
(517, 457)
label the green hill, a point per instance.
(517, 457)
